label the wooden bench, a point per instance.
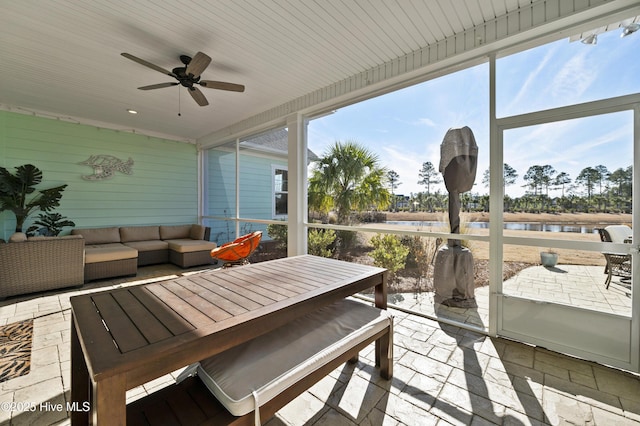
(316, 352)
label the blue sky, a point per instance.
(405, 128)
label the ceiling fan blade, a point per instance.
(148, 64)
(198, 64)
(198, 96)
(157, 86)
(221, 85)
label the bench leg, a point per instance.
(354, 359)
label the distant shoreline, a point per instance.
(549, 218)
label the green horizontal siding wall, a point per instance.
(163, 188)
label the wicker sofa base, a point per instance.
(40, 264)
(114, 268)
(152, 257)
(187, 260)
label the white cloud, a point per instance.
(408, 164)
(574, 78)
(524, 91)
(427, 122)
(419, 122)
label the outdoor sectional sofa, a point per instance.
(35, 264)
(117, 251)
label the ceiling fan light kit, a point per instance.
(188, 76)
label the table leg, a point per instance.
(384, 351)
(109, 402)
(381, 293)
(80, 382)
(384, 345)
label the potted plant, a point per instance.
(549, 258)
(17, 193)
(49, 225)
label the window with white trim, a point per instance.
(280, 191)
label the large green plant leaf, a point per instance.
(8, 183)
(29, 176)
(15, 189)
(48, 199)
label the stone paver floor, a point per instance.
(443, 375)
(573, 285)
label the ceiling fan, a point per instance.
(188, 75)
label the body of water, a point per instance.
(514, 226)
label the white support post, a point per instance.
(297, 197)
(496, 186)
(236, 222)
(635, 256)
(203, 182)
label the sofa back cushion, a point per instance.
(98, 235)
(64, 237)
(197, 232)
(139, 233)
(175, 232)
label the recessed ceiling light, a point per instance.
(132, 111)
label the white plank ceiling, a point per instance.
(62, 57)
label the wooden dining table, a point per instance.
(125, 337)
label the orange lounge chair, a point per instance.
(237, 251)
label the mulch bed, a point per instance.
(407, 280)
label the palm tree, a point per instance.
(348, 178)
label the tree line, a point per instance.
(349, 178)
(594, 189)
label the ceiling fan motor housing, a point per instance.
(185, 79)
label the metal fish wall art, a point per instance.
(104, 166)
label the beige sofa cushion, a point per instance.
(189, 245)
(108, 252)
(251, 374)
(98, 235)
(619, 233)
(173, 232)
(139, 233)
(150, 245)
